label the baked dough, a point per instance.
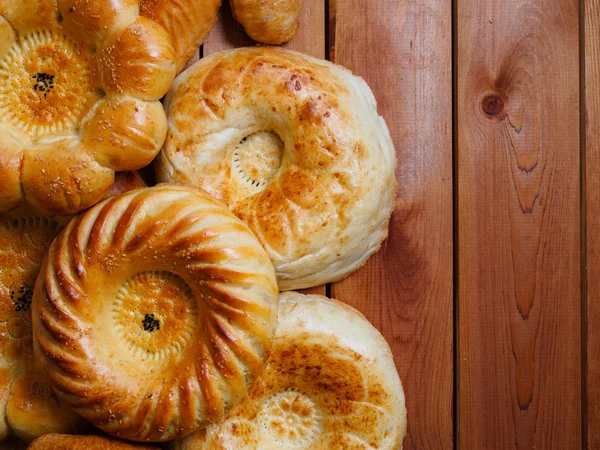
(28, 405)
(295, 147)
(153, 312)
(68, 442)
(330, 383)
(268, 21)
(187, 21)
(80, 82)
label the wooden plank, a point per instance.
(403, 50)
(592, 168)
(310, 39)
(519, 224)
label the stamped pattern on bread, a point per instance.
(330, 383)
(295, 146)
(80, 84)
(150, 252)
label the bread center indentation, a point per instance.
(45, 85)
(257, 158)
(156, 314)
(290, 419)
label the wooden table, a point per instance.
(488, 288)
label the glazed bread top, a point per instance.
(80, 82)
(153, 312)
(187, 21)
(268, 21)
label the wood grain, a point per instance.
(519, 224)
(403, 50)
(592, 103)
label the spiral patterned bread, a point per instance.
(80, 82)
(330, 383)
(187, 21)
(28, 405)
(295, 147)
(268, 21)
(153, 312)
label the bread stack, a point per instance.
(151, 317)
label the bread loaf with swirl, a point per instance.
(153, 312)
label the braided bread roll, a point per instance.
(268, 21)
(153, 312)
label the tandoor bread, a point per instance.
(153, 312)
(330, 383)
(295, 147)
(68, 442)
(268, 21)
(80, 82)
(28, 405)
(187, 21)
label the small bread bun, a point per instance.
(68, 442)
(80, 83)
(268, 21)
(187, 21)
(330, 383)
(153, 312)
(295, 147)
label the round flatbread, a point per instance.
(330, 383)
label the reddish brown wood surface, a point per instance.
(592, 139)
(403, 50)
(519, 224)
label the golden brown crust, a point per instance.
(153, 312)
(60, 63)
(330, 383)
(187, 21)
(68, 442)
(294, 145)
(268, 21)
(28, 405)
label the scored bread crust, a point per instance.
(187, 21)
(153, 312)
(69, 442)
(319, 203)
(268, 21)
(29, 406)
(330, 383)
(80, 83)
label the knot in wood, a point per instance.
(493, 104)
